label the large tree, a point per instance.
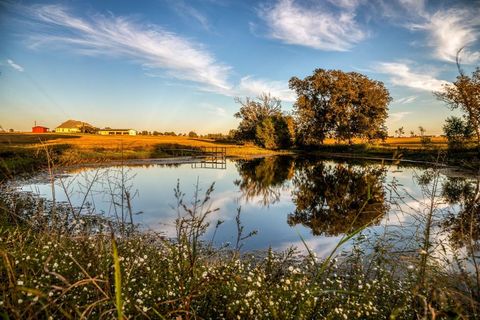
(342, 105)
(464, 94)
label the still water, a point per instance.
(283, 198)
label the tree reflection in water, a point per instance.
(264, 178)
(464, 225)
(332, 199)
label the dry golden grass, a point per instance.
(404, 142)
(142, 146)
(88, 147)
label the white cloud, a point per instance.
(346, 4)
(406, 100)
(450, 30)
(215, 110)
(401, 75)
(146, 44)
(397, 116)
(250, 86)
(313, 26)
(159, 52)
(190, 12)
(15, 66)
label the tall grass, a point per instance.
(91, 267)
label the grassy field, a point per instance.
(25, 152)
(96, 146)
(410, 143)
(89, 142)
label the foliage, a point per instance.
(464, 94)
(265, 133)
(52, 269)
(274, 132)
(252, 112)
(264, 178)
(458, 132)
(264, 123)
(192, 134)
(90, 274)
(333, 103)
(328, 197)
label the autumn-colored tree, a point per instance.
(333, 103)
(464, 94)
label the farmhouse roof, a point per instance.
(74, 124)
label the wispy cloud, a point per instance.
(149, 45)
(450, 30)
(314, 26)
(397, 116)
(215, 110)
(250, 86)
(189, 12)
(406, 100)
(400, 74)
(160, 53)
(15, 65)
(346, 4)
(399, 11)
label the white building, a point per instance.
(74, 126)
(115, 132)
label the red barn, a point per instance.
(39, 129)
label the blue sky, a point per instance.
(177, 65)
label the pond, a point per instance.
(287, 200)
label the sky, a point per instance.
(177, 65)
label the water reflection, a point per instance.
(332, 199)
(464, 225)
(264, 178)
(281, 197)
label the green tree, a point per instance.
(264, 123)
(252, 112)
(274, 132)
(333, 103)
(192, 134)
(265, 134)
(457, 131)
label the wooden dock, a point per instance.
(202, 157)
(212, 158)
